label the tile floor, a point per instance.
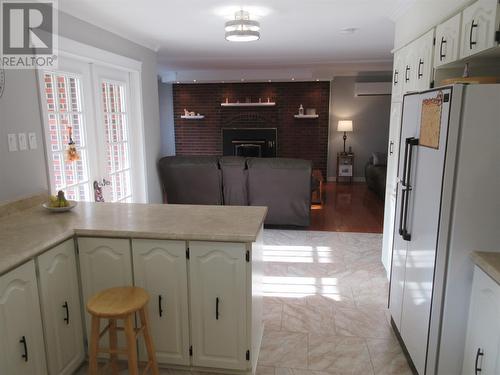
(325, 307)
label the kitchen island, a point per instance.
(200, 264)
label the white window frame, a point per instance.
(91, 55)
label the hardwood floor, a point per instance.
(348, 208)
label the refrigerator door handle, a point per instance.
(406, 188)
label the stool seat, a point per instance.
(116, 302)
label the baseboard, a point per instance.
(355, 179)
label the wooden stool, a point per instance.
(120, 303)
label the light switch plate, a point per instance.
(23, 142)
(32, 141)
(12, 142)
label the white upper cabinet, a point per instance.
(479, 26)
(104, 263)
(218, 279)
(398, 75)
(60, 300)
(160, 267)
(410, 68)
(424, 69)
(482, 346)
(448, 41)
(21, 336)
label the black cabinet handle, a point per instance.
(420, 64)
(406, 73)
(65, 307)
(472, 27)
(217, 308)
(160, 310)
(441, 54)
(396, 74)
(479, 353)
(391, 147)
(25, 347)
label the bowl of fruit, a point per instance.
(59, 203)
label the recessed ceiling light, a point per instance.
(243, 80)
(293, 79)
(348, 30)
(178, 82)
(269, 80)
(194, 80)
(317, 79)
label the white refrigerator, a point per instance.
(447, 205)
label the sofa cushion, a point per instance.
(191, 179)
(234, 180)
(284, 186)
(379, 158)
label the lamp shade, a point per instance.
(344, 126)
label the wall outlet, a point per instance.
(12, 142)
(23, 142)
(32, 141)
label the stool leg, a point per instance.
(94, 344)
(113, 344)
(131, 345)
(148, 340)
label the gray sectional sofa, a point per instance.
(283, 185)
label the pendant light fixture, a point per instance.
(242, 28)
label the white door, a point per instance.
(480, 22)
(99, 105)
(447, 46)
(104, 263)
(410, 68)
(21, 339)
(425, 177)
(398, 75)
(160, 267)
(391, 184)
(482, 347)
(409, 128)
(60, 300)
(218, 296)
(424, 64)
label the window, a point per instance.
(63, 98)
(100, 106)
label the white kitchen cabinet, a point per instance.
(218, 282)
(160, 267)
(60, 301)
(21, 339)
(104, 263)
(398, 75)
(482, 347)
(480, 22)
(447, 46)
(410, 68)
(423, 64)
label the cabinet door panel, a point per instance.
(398, 75)
(160, 267)
(424, 61)
(218, 304)
(480, 22)
(20, 319)
(60, 299)
(447, 45)
(104, 263)
(483, 330)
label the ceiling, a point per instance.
(295, 35)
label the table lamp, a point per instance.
(344, 126)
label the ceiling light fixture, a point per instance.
(242, 28)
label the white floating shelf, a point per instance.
(306, 116)
(193, 117)
(262, 104)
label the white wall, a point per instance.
(24, 173)
(422, 16)
(166, 102)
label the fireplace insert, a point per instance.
(249, 142)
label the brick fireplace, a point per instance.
(270, 131)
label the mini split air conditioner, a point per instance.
(372, 88)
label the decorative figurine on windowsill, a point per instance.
(71, 153)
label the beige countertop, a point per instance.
(28, 233)
(489, 262)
